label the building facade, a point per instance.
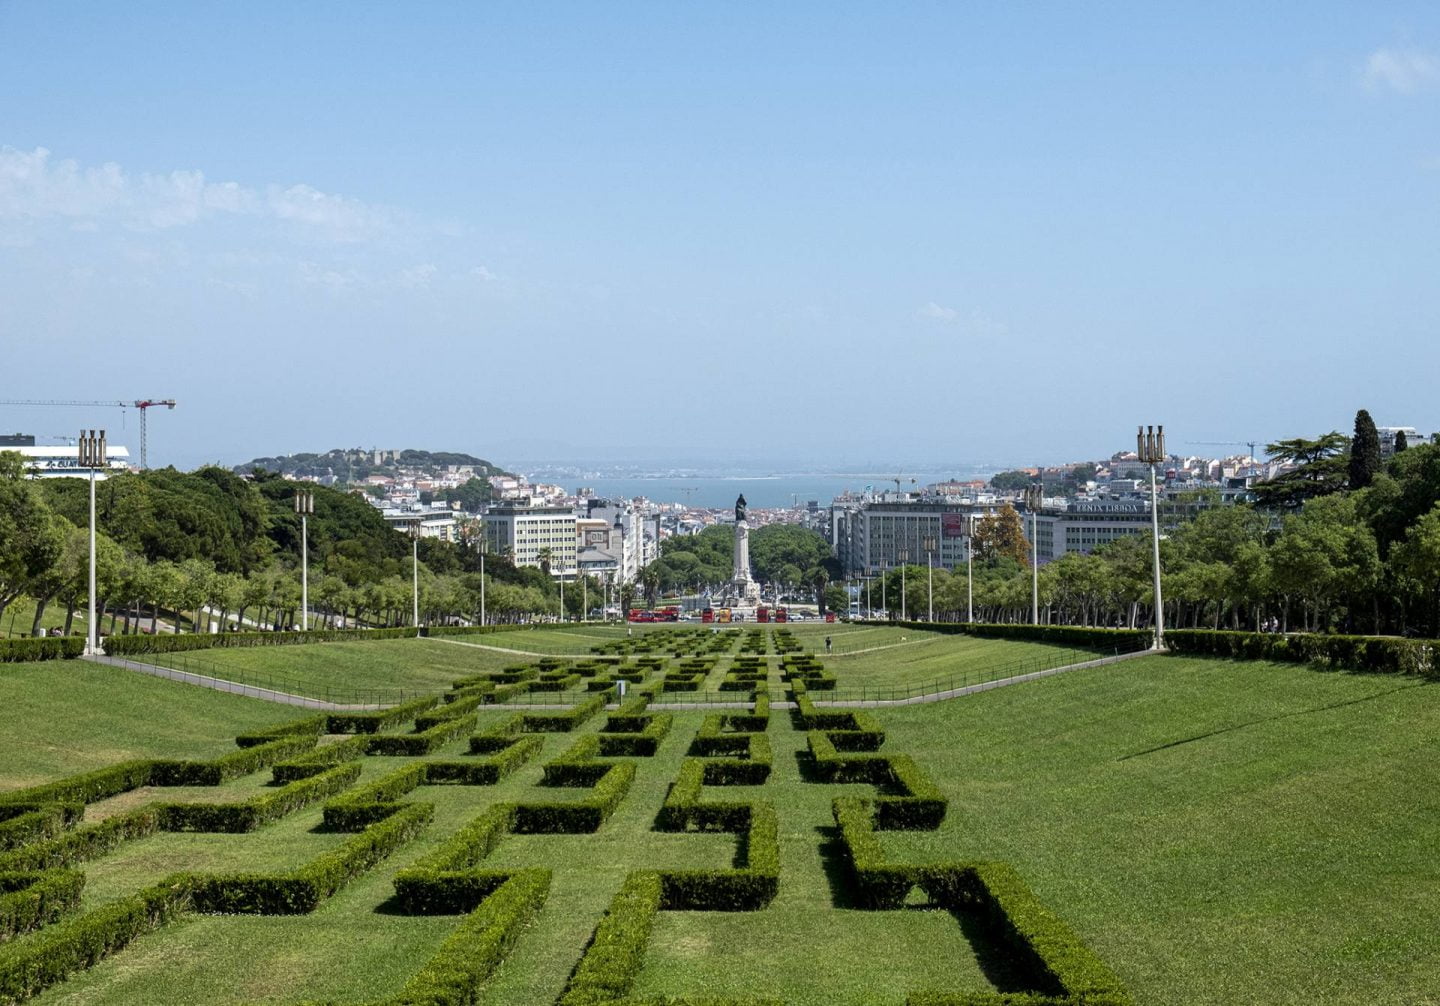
(526, 532)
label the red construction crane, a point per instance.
(144, 405)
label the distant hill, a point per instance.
(356, 464)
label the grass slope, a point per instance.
(1219, 832)
(63, 717)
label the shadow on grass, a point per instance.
(998, 961)
(835, 861)
(1268, 719)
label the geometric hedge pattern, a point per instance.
(46, 840)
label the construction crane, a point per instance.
(1227, 443)
(143, 404)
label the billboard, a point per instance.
(952, 525)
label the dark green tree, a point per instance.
(1401, 441)
(1364, 451)
(1320, 469)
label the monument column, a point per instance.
(747, 591)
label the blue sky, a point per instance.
(883, 233)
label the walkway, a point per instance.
(235, 687)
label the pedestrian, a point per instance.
(827, 644)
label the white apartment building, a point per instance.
(874, 535)
(44, 462)
(439, 524)
(1085, 525)
(521, 530)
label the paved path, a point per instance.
(271, 695)
(501, 649)
(235, 687)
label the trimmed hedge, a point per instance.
(1376, 654)
(229, 766)
(15, 651)
(920, 805)
(29, 966)
(318, 760)
(747, 888)
(312, 726)
(422, 743)
(302, 890)
(616, 952)
(1060, 968)
(83, 843)
(563, 722)
(1082, 636)
(374, 801)
(475, 949)
(446, 881)
(583, 816)
(117, 646)
(485, 771)
(498, 735)
(87, 787)
(22, 823)
(384, 719)
(31, 899)
(268, 806)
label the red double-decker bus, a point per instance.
(782, 615)
(762, 614)
(707, 615)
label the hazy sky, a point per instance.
(826, 231)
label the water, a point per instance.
(761, 491)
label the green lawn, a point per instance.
(62, 717)
(19, 618)
(1217, 832)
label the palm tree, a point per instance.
(819, 579)
(545, 555)
(650, 580)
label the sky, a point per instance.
(796, 234)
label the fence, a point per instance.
(935, 686)
(196, 670)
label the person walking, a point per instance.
(827, 644)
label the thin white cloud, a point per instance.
(34, 186)
(483, 274)
(935, 312)
(1402, 70)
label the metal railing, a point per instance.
(954, 682)
(194, 669)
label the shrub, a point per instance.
(616, 952)
(31, 899)
(422, 743)
(374, 722)
(485, 771)
(83, 843)
(87, 787)
(312, 726)
(581, 816)
(44, 648)
(22, 823)
(749, 887)
(498, 735)
(477, 946)
(374, 801)
(117, 646)
(31, 965)
(303, 889)
(563, 722)
(1381, 655)
(318, 760)
(270, 805)
(1086, 637)
(229, 766)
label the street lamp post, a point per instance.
(92, 456)
(482, 583)
(930, 572)
(415, 574)
(304, 506)
(1034, 496)
(903, 554)
(970, 568)
(1150, 448)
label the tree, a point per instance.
(1002, 534)
(1402, 442)
(31, 539)
(1364, 451)
(1320, 468)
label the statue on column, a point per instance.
(740, 508)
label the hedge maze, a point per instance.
(626, 800)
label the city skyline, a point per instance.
(636, 233)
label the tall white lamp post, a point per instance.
(1033, 498)
(930, 572)
(970, 568)
(304, 506)
(1150, 448)
(92, 456)
(904, 556)
(415, 573)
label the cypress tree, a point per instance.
(1364, 451)
(1401, 441)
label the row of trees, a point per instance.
(211, 550)
(1341, 543)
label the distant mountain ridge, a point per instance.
(355, 464)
